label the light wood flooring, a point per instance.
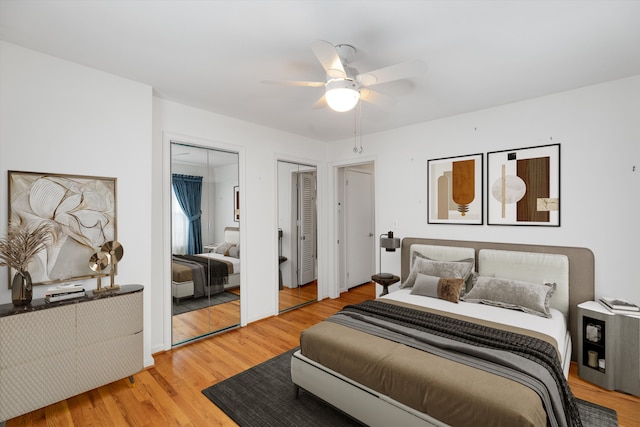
(293, 297)
(169, 393)
(200, 322)
(196, 323)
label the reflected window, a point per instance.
(180, 227)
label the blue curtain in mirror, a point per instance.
(188, 190)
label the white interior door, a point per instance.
(360, 239)
(307, 227)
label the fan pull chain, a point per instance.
(360, 108)
(355, 128)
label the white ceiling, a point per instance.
(214, 55)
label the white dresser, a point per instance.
(50, 352)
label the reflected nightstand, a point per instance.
(385, 282)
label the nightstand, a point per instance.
(608, 348)
(385, 282)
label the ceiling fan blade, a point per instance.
(320, 103)
(294, 83)
(377, 98)
(329, 58)
(393, 72)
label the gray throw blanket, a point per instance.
(527, 360)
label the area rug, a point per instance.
(188, 305)
(263, 396)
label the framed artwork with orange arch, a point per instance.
(454, 187)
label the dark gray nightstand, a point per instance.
(385, 282)
(613, 340)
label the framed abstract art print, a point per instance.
(454, 186)
(523, 186)
(80, 209)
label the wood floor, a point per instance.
(294, 297)
(169, 393)
(196, 323)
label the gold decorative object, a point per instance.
(110, 254)
(98, 262)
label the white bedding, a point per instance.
(554, 327)
(234, 261)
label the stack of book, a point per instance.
(620, 306)
(64, 292)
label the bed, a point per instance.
(208, 273)
(358, 362)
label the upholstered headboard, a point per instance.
(581, 268)
(232, 235)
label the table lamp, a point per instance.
(390, 244)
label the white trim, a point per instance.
(334, 221)
(320, 225)
(167, 138)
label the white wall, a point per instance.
(59, 117)
(56, 116)
(598, 128)
(225, 178)
(259, 149)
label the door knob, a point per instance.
(370, 234)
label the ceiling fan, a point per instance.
(345, 86)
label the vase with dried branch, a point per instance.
(17, 250)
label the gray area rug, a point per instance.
(263, 396)
(188, 305)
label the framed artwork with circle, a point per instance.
(523, 186)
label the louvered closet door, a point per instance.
(307, 221)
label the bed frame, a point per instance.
(375, 409)
(183, 290)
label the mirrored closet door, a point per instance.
(205, 237)
(297, 235)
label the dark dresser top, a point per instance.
(41, 304)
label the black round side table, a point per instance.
(385, 282)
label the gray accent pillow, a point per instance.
(223, 248)
(234, 251)
(454, 269)
(532, 298)
(425, 285)
(438, 287)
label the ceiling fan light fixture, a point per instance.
(342, 94)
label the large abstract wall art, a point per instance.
(523, 186)
(455, 190)
(80, 209)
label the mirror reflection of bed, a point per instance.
(206, 260)
(297, 235)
